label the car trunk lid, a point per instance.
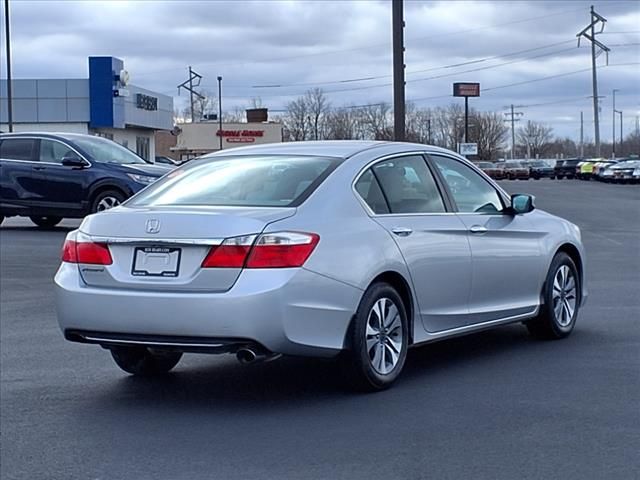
(162, 248)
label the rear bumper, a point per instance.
(289, 311)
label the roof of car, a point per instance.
(54, 135)
(329, 148)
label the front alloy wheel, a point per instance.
(378, 339)
(561, 300)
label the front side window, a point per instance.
(258, 181)
(17, 148)
(408, 186)
(471, 192)
(53, 152)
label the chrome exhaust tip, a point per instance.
(246, 356)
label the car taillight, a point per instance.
(272, 250)
(86, 252)
(231, 253)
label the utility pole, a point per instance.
(9, 81)
(220, 109)
(397, 22)
(512, 117)
(613, 136)
(188, 85)
(589, 32)
(621, 139)
(581, 135)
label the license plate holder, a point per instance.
(155, 261)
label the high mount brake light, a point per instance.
(271, 250)
(86, 252)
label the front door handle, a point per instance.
(402, 232)
(478, 229)
(39, 168)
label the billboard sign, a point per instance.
(466, 89)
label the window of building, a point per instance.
(142, 147)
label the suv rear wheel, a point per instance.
(46, 222)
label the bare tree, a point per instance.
(296, 120)
(342, 124)
(535, 137)
(376, 121)
(318, 108)
(204, 104)
(490, 133)
(235, 115)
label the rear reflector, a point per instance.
(85, 252)
(274, 250)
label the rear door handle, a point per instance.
(478, 229)
(401, 231)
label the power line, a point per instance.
(368, 47)
(411, 72)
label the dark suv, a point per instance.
(566, 168)
(50, 176)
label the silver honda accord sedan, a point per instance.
(349, 249)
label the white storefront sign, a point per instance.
(468, 148)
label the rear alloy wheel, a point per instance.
(142, 361)
(46, 222)
(561, 295)
(378, 339)
(107, 200)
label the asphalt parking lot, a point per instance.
(492, 405)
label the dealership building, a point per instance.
(104, 104)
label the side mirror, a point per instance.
(73, 161)
(522, 203)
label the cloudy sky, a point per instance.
(344, 47)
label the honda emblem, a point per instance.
(153, 225)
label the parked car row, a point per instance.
(518, 169)
(626, 170)
(48, 177)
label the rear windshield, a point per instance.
(258, 181)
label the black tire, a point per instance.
(358, 363)
(140, 361)
(46, 222)
(115, 197)
(546, 325)
(1, 219)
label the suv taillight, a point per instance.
(85, 252)
(271, 250)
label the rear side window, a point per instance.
(369, 189)
(408, 185)
(17, 148)
(259, 181)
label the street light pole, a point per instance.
(9, 81)
(613, 136)
(220, 109)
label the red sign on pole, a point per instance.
(466, 89)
